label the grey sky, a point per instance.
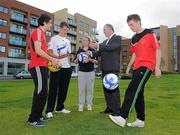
(153, 12)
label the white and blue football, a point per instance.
(110, 81)
(83, 58)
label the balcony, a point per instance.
(19, 31)
(72, 32)
(18, 18)
(17, 43)
(56, 30)
(33, 22)
(73, 42)
(20, 56)
(72, 24)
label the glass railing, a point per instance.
(56, 29)
(73, 41)
(19, 18)
(71, 23)
(72, 32)
(20, 31)
(22, 56)
(17, 42)
(14, 55)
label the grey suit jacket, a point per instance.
(110, 54)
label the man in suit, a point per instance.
(109, 51)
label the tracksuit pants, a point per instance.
(58, 87)
(39, 76)
(86, 82)
(134, 95)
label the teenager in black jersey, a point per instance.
(86, 75)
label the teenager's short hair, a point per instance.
(110, 26)
(43, 18)
(134, 17)
(62, 24)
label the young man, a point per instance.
(146, 56)
(38, 69)
(59, 47)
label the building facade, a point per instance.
(17, 21)
(170, 47)
(125, 54)
(178, 47)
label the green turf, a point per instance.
(162, 98)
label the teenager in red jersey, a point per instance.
(146, 56)
(38, 69)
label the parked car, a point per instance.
(23, 75)
(74, 74)
(98, 74)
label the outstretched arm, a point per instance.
(111, 47)
(158, 61)
(130, 63)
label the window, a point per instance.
(34, 21)
(80, 41)
(81, 23)
(86, 33)
(2, 35)
(2, 49)
(157, 32)
(72, 30)
(48, 33)
(56, 27)
(93, 29)
(71, 37)
(19, 16)
(17, 40)
(3, 22)
(15, 67)
(16, 53)
(81, 32)
(86, 25)
(93, 37)
(18, 28)
(70, 21)
(3, 9)
(1, 68)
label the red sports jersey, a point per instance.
(36, 60)
(145, 50)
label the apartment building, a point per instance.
(125, 54)
(170, 47)
(17, 20)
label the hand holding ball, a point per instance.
(83, 58)
(56, 68)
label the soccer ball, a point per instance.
(110, 81)
(53, 69)
(83, 58)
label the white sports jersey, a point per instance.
(60, 46)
